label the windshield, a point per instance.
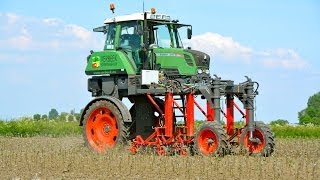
(111, 33)
(166, 36)
(129, 36)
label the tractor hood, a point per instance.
(202, 59)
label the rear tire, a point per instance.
(264, 134)
(131, 126)
(103, 126)
(210, 139)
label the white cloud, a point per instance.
(218, 45)
(11, 18)
(79, 32)
(52, 21)
(227, 48)
(281, 57)
(29, 33)
(22, 41)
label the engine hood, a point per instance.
(202, 59)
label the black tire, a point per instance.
(103, 126)
(264, 133)
(210, 139)
(131, 126)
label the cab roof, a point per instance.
(137, 17)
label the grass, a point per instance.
(303, 131)
(26, 127)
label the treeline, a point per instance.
(53, 124)
(55, 115)
(29, 127)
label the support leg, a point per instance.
(190, 114)
(249, 105)
(216, 99)
(210, 112)
(230, 115)
(168, 114)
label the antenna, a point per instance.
(143, 5)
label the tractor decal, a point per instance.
(170, 54)
(95, 62)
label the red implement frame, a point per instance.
(169, 135)
(230, 115)
(190, 114)
(178, 137)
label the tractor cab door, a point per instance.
(130, 40)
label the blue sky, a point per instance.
(44, 44)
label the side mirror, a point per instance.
(189, 32)
(100, 29)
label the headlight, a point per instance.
(199, 71)
(207, 71)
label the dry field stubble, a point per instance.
(66, 158)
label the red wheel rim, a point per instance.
(207, 141)
(254, 147)
(102, 129)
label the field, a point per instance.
(67, 158)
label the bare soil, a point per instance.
(67, 158)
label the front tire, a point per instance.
(263, 134)
(103, 126)
(211, 139)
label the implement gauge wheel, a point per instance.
(103, 126)
(263, 140)
(211, 139)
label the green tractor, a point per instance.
(145, 61)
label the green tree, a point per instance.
(77, 115)
(53, 114)
(280, 122)
(63, 116)
(36, 117)
(311, 114)
(71, 118)
(44, 117)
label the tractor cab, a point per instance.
(142, 46)
(152, 41)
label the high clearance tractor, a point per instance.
(145, 61)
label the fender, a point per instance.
(126, 116)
